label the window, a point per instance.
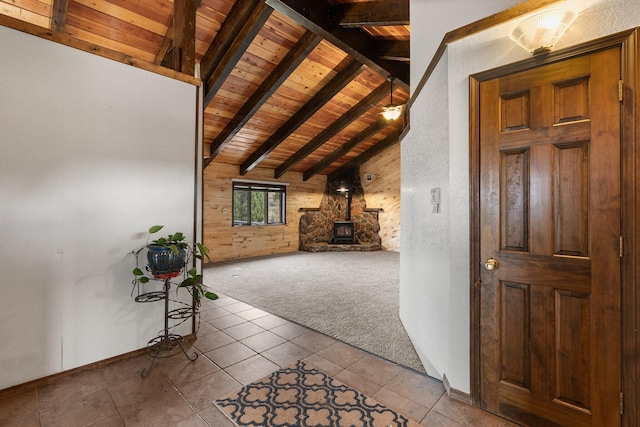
(258, 203)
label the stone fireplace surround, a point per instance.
(316, 224)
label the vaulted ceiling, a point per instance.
(290, 85)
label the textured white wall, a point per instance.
(432, 19)
(434, 280)
(93, 152)
(424, 250)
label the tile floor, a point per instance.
(237, 344)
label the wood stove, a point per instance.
(343, 232)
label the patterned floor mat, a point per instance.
(304, 396)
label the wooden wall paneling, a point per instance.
(338, 106)
(220, 17)
(343, 149)
(37, 12)
(67, 39)
(85, 18)
(344, 121)
(303, 114)
(126, 15)
(237, 49)
(228, 242)
(97, 40)
(136, 37)
(384, 192)
(285, 67)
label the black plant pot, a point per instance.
(164, 263)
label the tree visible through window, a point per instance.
(258, 204)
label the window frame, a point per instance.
(258, 186)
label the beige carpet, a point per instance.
(303, 396)
(350, 296)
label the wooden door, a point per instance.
(550, 217)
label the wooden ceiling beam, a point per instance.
(315, 17)
(324, 95)
(353, 114)
(394, 50)
(184, 36)
(206, 162)
(229, 30)
(345, 148)
(371, 13)
(392, 139)
(59, 15)
(240, 41)
(287, 65)
(165, 46)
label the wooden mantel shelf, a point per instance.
(317, 209)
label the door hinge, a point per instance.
(621, 403)
(620, 90)
(621, 246)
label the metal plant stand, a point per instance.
(166, 344)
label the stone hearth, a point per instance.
(316, 224)
(329, 247)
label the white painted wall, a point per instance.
(425, 254)
(93, 152)
(435, 18)
(434, 255)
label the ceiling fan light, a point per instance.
(392, 112)
(540, 32)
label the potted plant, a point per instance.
(167, 258)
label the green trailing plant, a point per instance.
(189, 278)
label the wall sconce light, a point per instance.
(540, 32)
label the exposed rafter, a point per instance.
(394, 50)
(234, 23)
(371, 13)
(323, 96)
(165, 46)
(305, 103)
(290, 62)
(354, 113)
(238, 46)
(371, 152)
(345, 148)
(315, 16)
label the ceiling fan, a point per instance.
(390, 111)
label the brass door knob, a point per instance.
(491, 264)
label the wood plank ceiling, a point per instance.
(290, 85)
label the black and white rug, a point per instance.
(303, 396)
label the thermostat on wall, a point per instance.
(368, 177)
